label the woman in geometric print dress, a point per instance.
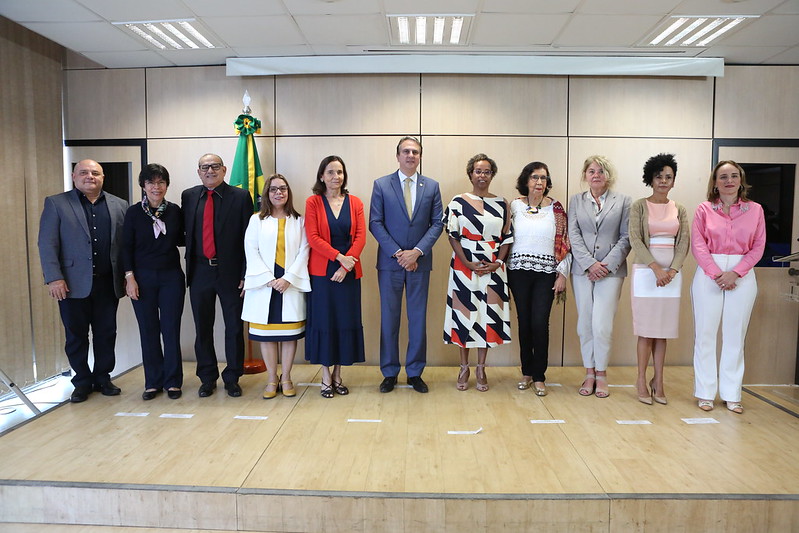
(276, 281)
(660, 235)
(479, 229)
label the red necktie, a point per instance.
(209, 245)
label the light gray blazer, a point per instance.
(599, 238)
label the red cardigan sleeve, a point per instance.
(318, 233)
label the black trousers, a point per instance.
(533, 294)
(206, 287)
(97, 312)
(158, 311)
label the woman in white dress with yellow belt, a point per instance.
(659, 235)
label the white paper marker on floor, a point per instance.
(176, 415)
(548, 421)
(250, 417)
(374, 421)
(132, 414)
(700, 420)
(475, 432)
(633, 422)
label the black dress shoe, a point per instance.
(108, 389)
(418, 384)
(233, 389)
(174, 394)
(388, 384)
(80, 394)
(207, 389)
(149, 394)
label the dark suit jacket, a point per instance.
(234, 216)
(394, 230)
(65, 246)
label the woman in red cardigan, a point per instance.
(336, 230)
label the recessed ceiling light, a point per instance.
(691, 30)
(176, 34)
(427, 30)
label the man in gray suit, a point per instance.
(79, 241)
(405, 217)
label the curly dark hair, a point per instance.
(319, 186)
(524, 177)
(655, 164)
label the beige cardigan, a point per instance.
(639, 235)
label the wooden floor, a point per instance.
(391, 462)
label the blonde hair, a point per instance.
(604, 162)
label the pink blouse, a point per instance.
(742, 232)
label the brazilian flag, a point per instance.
(246, 172)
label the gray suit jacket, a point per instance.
(599, 238)
(65, 247)
(395, 230)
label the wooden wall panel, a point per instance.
(641, 107)
(348, 105)
(757, 102)
(30, 149)
(204, 102)
(629, 156)
(494, 105)
(104, 104)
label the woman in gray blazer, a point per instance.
(598, 225)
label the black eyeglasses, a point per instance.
(283, 189)
(212, 166)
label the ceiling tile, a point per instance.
(344, 29)
(606, 30)
(529, 6)
(248, 8)
(138, 10)
(186, 58)
(328, 7)
(424, 7)
(720, 7)
(271, 30)
(771, 30)
(87, 36)
(516, 30)
(626, 7)
(788, 57)
(272, 51)
(22, 11)
(746, 55)
(137, 59)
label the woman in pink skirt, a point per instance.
(660, 237)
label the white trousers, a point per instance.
(596, 302)
(732, 309)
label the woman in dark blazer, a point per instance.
(154, 280)
(598, 231)
(336, 230)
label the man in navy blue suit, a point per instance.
(406, 219)
(79, 241)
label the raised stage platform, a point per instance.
(391, 462)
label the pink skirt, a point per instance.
(655, 317)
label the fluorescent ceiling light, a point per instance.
(421, 30)
(438, 30)
(403, 26)
(153, 32)
(691, 30)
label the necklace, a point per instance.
(531, 209)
